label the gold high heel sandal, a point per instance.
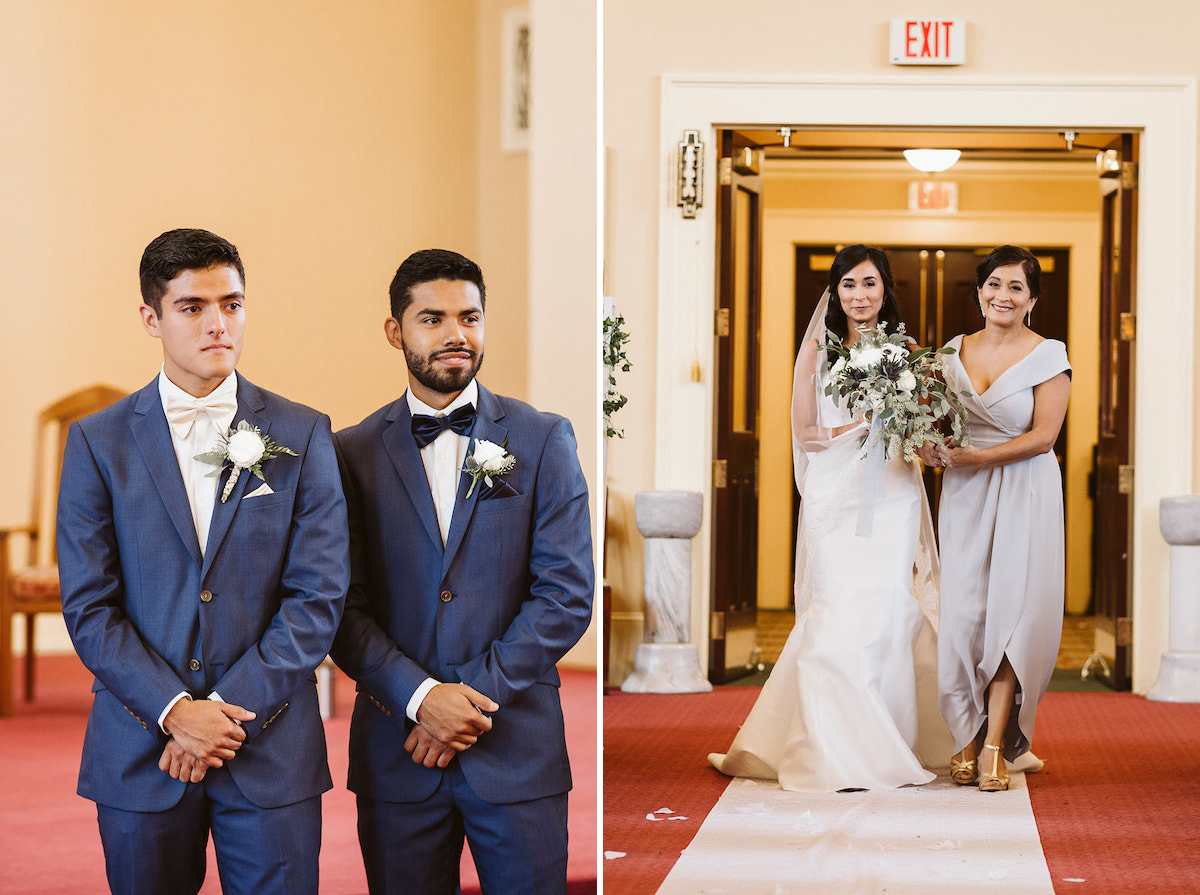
(997, 780)
(964, 771)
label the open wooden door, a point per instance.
(733, 629)
(1113, 476)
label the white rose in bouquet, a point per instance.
(866, 358)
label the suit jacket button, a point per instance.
(445, 596)
(194, 664)
(205, 596)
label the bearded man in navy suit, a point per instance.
(472, 575)
(203, 571)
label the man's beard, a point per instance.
(448, 381)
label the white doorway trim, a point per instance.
(1164, 110)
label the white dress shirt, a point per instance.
(200, 438)
(201, 489)
(443, 458)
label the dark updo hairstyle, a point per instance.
(848, 259)
(1003, 256)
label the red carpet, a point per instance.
(655, 756)
(50, 845)
(1118, 803)
(1117, 806)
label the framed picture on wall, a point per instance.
(514, 95)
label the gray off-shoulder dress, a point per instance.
(1002, 547)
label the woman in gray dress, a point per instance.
(1001, 525)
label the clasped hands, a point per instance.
(450, 719)
(205, 733)
(943, 454)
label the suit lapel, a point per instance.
(487, 428)
(402, 450)
(148, 426)
(250, 404)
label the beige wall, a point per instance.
(327, 140)
(308, 134)
(643, 42)
(285, 126)
(502, 234)
(564, 285)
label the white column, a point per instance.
(667, 662)
(1179, 673)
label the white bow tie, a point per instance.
(182, 412)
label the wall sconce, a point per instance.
(931, 160)
(690, 184)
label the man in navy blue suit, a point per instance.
(471, 576)
(203, 554)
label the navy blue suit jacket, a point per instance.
(251, 619)
(496, 608)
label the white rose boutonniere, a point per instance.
(488, 460)
(243, 447)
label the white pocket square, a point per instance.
(262, 489)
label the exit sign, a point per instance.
(928, 41)
(933, 195)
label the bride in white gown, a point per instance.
(852, 701)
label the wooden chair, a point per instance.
(32, 587)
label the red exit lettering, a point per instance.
(927, 40)
(933, 195)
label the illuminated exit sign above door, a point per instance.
(928, 41)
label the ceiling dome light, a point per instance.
(931, 160)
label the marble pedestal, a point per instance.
(667, 662)
(1179, 673)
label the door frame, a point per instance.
(1164, 110)
(734, 634)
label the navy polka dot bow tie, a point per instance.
(426, 428)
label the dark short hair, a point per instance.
(429, 265)
(1003, 256)
(175, 251)
(848, 259)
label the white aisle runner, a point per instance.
(919, 840)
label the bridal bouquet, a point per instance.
(902, 392)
